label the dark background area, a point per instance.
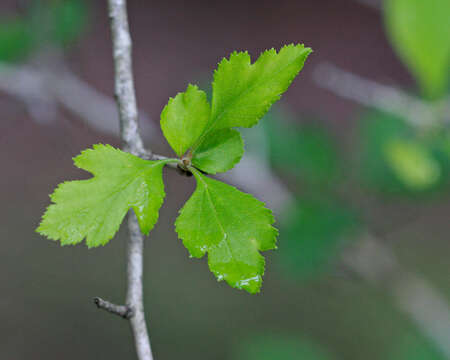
(46, 290)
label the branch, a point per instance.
(369, 258)
(412, 294)
(374, 262)
(86, 102)
(386, 98)
(132, 142)
(30, 87)
(254, 174)
(41, 89)
(124, 84)
(121, 310)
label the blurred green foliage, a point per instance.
(271, 347)
(397, 158)
(313, 234)
(306, 151)
(16, 40)
(420, 32)
(394, 157)
(318, 225)
(56, 22)
(69, 19)
(412, 163)
(414, 347)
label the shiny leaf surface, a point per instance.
(94, 208)
(232, 227)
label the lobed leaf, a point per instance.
(220, 151)
(232, 227)
(184, 118)
(243, 92)
(94, 208)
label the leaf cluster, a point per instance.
(229, 225)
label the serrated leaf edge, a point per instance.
(76, 161)
(220, 277)
(233, 163)
(276, 97)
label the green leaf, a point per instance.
(233, 227)
(243, 92)
(314, 233)
(220, 151)
(413, 163)
(419, 31)
(184, 118)
(94, 208)
(16, 41)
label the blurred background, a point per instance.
(354, 160)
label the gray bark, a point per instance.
(132, 142)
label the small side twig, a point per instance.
(122, 310)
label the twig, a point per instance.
(254, 174)
(41, 88)
(121, 310)
(382, 97)
(124, 83)
(426, 307)
(414, 296)
(369, 258)
(132, 142)
(29, 87)
(87, 102)
(374, 262)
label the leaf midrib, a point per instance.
(113, 195)
(209, 127)
(218, 220)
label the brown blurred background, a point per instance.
(386, 283)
